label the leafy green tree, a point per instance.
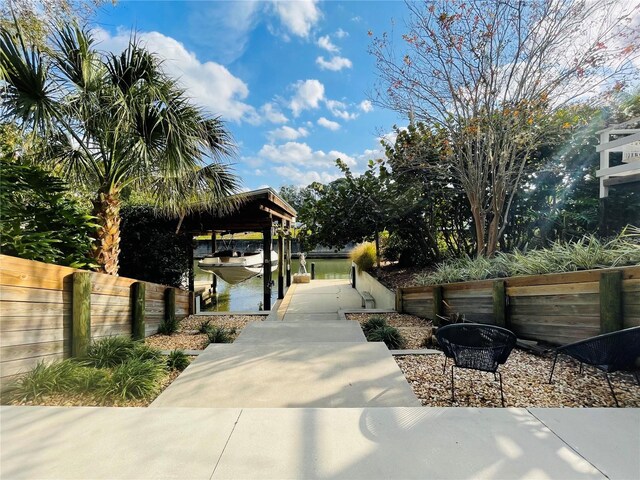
(491, 74)
(113, 122)
(39, 220)
(431, 218)
(348, 210)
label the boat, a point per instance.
(234, 266)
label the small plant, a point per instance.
(168, 326)
(364, 256)
(220, 335)
(389, 335)
(178, 360)
(44, 379)
(145, 352)
(110, 351)
(205, 326)
(135, 379)
(372, 323)
(63, 376)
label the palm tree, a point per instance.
(114, 122)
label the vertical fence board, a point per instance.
(81, 314)
(139, 310)
(611, 315)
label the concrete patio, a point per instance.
(336, 443)
(293, 397)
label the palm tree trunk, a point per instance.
(106, 209)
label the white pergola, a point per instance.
(628, 142)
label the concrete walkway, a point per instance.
(335, 443)
(306, 357)
(302, 360)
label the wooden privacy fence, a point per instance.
(48, 312)
(558, 308)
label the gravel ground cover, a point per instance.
(524, 378)
(415, 330)
(188, 338)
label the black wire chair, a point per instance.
(475, 346)
(610, 353)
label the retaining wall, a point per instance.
(557, 308)
(36, 301)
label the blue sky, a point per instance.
(291, 79)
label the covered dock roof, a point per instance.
(257, 210)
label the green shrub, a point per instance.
(63, 376)
(178, 360)
(220, 335)
(165, 256)
(44, 379)
(204, 326)
(372, 323)
(389, 335)
(40, 219)
(168, 327)
(364, 256)
(110, 351)
(585, 254)
(135, 379)
(145, 352)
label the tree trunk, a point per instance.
(479, 221)
(106, 209)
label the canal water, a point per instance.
(247, 296)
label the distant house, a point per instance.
(619, 169)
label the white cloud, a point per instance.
(325, 43)
(301, 178)
(210, 84)
(335, 64)
(365, 106)
(271, 112)
(301, 154)
(323, 122)
(339, 109)
(298, 16)
(340, 33)
(308, 95)
(287, 133)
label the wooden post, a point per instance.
(170, 306)
(289, 254)
(266, 272)
(191, 267)
(353, 276)
(438, 309)
(611, 314)
(399, 306)
(313, 270)
(500, 303)
(281, 263)
(138, 313)
(81, 314)
(192, 303)
(214, 278)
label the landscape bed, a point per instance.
(415, 330)
(188, 336)
(55, 389)
(525, 376)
